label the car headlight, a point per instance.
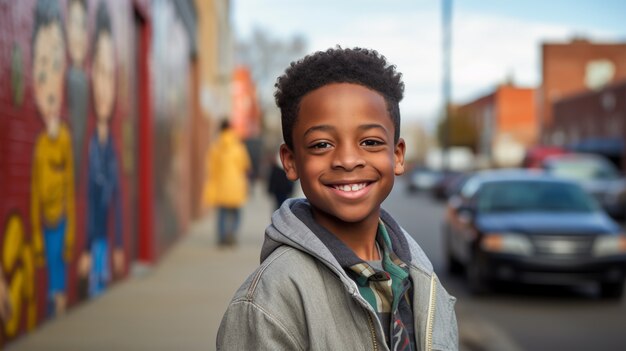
(507, 243)
(607, 245)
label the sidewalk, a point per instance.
(175, 305)
(178, 304)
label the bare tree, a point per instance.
(267, 56)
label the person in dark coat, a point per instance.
(279, 186)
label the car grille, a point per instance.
(566, 246)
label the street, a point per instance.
(527, 318)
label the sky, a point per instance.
(492, 40)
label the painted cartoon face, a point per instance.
(344, 153)
(48, 71)
(103, 76)
(77, 32)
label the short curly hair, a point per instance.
(357, 65)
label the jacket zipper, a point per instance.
(431, 314)
(372, 331)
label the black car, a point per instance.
(530, 227)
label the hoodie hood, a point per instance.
(293, 225)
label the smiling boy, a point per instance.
(337, 272)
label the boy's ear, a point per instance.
(398, 156)
(289, 162)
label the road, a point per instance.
(531, 318)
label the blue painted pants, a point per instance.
(99, 275)
(55, 246)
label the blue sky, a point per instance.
(492, 39)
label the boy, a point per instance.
(337, 272)
(104, 201)
(52, 206)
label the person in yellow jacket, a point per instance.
(226, 185)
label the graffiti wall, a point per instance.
(171, 134)
(68, 149)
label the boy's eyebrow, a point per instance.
(321, 128)
(372, 126)
(328, 128)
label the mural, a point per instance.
(103, 192)
(18, 303)
(52, 189)
(76, 79)
(70, 105)
(171, 141)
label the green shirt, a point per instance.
(388, 292)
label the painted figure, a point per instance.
(103, 191)
(18, 301)
(52, 187)
(76, 80)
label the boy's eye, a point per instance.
(372, 142)
(320, 145)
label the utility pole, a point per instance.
(446, 23)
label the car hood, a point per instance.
(547, 223)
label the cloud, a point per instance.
(486, 48)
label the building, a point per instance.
(593, 121)
(504, 123)
(108, 110)
(576, 67)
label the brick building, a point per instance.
(506, 124)
(593, 122)
(575, 67)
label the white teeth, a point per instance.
(351, 187)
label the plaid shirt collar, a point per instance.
(389, 239)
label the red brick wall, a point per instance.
(564, 66)
(509, 111)
(21, 123)
(517, 114)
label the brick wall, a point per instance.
(69, 147)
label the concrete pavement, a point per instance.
(178, 304)
(175, 305)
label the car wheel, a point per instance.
(612, 290)
(478, 284)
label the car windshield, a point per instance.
(583, 169)
(533, 196)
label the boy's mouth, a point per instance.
(350, 187)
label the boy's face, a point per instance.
(344, 153)
(77, 32)
(48, 71)
(103, 77)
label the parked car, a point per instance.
(423, 179)
(449, 184)
(535, 156)
(531, 227)
(597, 175)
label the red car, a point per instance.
(535, 156)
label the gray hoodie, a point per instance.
(300, 298)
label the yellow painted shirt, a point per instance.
(52, 186)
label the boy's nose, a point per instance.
(348, 158)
